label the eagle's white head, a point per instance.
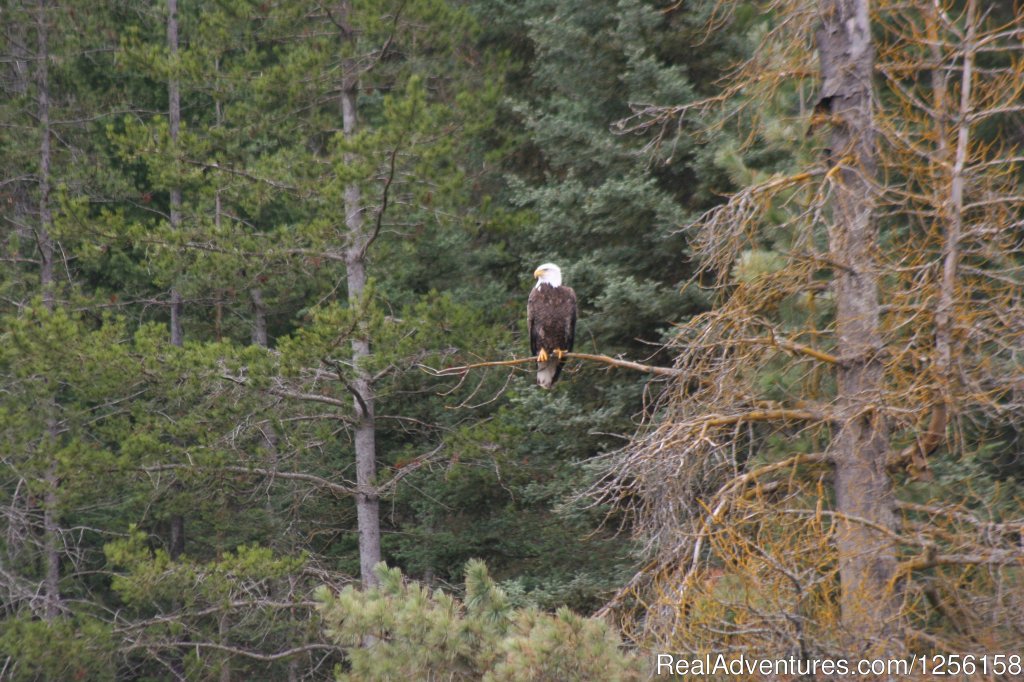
(549, 273)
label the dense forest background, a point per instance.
(244, 243)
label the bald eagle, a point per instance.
(551, 319)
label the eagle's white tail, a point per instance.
(546, 372)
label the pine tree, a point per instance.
(50, 369)
(586, 196)
(433, 636)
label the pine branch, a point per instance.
(293, 395)
(236, 651)
(256, 471)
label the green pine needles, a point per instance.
(402, 630)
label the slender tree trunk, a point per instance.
(176, 543)
(174, 121)
(177, 310)
(281, 541)
(173, 100)
(51, 499)
(952, 209)
(949, 200)
(46, 278)
(367, 500)
(269, 442)
(52, 533)
(864, 493)
(223, 632)
(177, 539)
(259, 318)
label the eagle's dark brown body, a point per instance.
(551, 319)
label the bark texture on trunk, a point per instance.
(259, 318)
(864, 492)
(176, 541)
(951, 208)
(176, 546)
(46, 274)
(53, 602)
(174, 121)
(51, 530)
(367, 500)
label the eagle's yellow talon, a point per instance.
(551, 322)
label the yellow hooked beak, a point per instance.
(538, 272)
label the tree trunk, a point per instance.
(951, 208)
(864, 493)
(367, 500)
(259, 318)
(174, 121)
(51, 527)
(223, 632)
(51, 531)
(177, 540)
(46, 278)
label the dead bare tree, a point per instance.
(866, 554)
(774, 485)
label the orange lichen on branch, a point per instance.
(781, 414)
(748, 557)
(793, 347)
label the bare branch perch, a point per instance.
(604, 359)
